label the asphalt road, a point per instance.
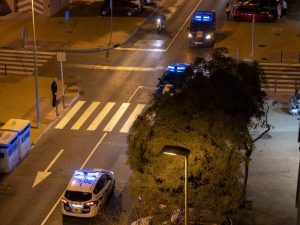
(123, 79)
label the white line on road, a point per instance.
(101, 116)
(138, 109)
(121, 68)
(53, 161)
(69, 115)
(136, 90)
(142, 49)
(41, 175)
(176, 35)
(114, 120)
(85, 115)
(83, 165)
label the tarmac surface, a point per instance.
(274, 166)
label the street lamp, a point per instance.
(178, 150)
(37, 101)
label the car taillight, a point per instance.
(64, 201)
(91, 203)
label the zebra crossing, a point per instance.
(105, 116)
(20, 62)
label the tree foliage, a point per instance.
(211, 118)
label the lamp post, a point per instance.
(37, 101)
(178, 150)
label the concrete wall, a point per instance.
(51, 7)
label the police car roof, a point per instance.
(204, 16)
(85, 180)
(177, 67)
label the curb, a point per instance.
(74, 99)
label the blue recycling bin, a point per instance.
(22, 128)
(9, 155)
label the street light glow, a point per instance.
(169, 153)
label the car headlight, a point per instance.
(208, 36)
(190, 35)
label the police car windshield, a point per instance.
(201, 26)
(78, 196)
(172, 77)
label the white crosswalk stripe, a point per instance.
(138, 109)
(85, 115)
(22, 62)
(112, 123)
(92, 117)
(69, 115)
(101, 116)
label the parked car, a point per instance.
(245, 12)
(121, 7)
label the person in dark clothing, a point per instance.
(54, 91)
(228, 10)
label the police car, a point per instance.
(174, 79)
(87, 192)
(202, 29)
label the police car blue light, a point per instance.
(203, 17)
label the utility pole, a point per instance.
(37, 100)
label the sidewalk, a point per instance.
(270, 39)
(86, 29)
(273, 169)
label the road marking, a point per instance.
(121, 68)
(41, 175)
(114, 120)
(69, 115)
(142, 49)
(85, 115)
(166, 49)
(176, 35)
(83, 165)
(136, 90)
(101, 116)
(138, 109)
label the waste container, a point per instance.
(9, 155)
(22, 127)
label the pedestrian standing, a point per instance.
(54, 92)
(279, 10)
(228, 10)
(284, 8)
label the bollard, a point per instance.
(281, 55)
(56, 107)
